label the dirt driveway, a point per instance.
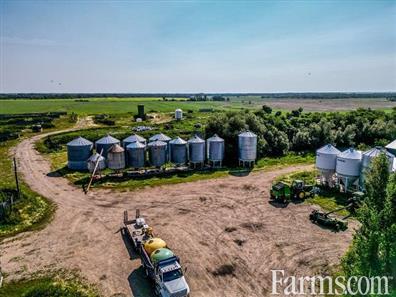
(191, 217)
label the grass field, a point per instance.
(61, 284)
(106, 105)
(129, 105)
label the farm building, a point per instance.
(78, 152)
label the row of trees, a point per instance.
(373, 251)
(279, 133)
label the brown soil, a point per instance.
(227, 234)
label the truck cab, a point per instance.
(169, 279)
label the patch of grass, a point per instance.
(32, 211)
(48, 286)
(59, 160)
(327, 199)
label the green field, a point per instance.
(107, 105)
(153, 104)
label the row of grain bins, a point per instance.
(347, 168)
(160, 148)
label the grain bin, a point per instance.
(196, 150)
(116, 157)
(157, 153)
(105, 143)
(369, 155)
(178, 151)
(133, 138)
(215, 150)
(326, 159)
(92, 162)
(162, 137)
(247, 148)
(348, 168)
(136, 153)
(391, 147)
(178, 114)
(78, 152)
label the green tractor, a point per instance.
(298, 190)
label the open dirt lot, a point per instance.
(225, 231)
(328, 104)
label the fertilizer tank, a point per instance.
(154, 244)
(178, 151)
(78, 152)
(161, 254)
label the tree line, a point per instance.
(297, 131)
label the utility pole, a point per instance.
(16, 182)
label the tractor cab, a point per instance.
(298, 184)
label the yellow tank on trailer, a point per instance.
(153, 244)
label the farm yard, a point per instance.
(218, 221)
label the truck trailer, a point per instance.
(166, 274)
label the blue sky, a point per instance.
(197, 46)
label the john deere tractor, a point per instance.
(297, 190)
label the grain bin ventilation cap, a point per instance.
(157, 143)
(328, 149)
(108, 139)
(79, 141)
(133, 138)
(135, 144)
(160, 136)
(178, 140)
(196, 139)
